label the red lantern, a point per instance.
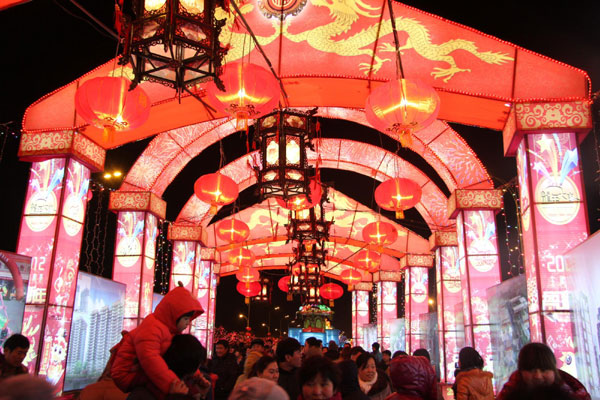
(250, 92)
(369, 260)
(397, 195)
(380, 233)
(216, 190)
(248, 289)
(283, 283)
(350, 277)
(247, 274)
(331, 291)
(241, 257)
(232, 231)
(301, 201)
(402, 106)
(106, 102)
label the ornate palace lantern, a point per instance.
(397, 195)
(308, 226)
(174, 42)
(283, 137)
(302, 202)
(265, 290)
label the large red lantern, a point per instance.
(283, 283)
(369, 260)
(401, 107)
(247, 274)
(107, 103)
(232, 230)
(216, 189)
(248, 289)
(301, 201)
(250, 92)
(350, 277)
(241, 257)
(397, 195)
(380, 233)
(331, 291)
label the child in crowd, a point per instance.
(139, 358)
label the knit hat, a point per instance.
(258, 389)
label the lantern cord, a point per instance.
(396, 42)
(208, 108)
(375, 45)
(345, 259)
(260, 49)
(104, 27)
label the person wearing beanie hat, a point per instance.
(471, 381)
(258, 389)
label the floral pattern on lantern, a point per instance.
(232, 230)
(106, 103)
(401, 107)
(240, 257)
(217, 190)
(368, 259)
(380, 233)
(397, 195)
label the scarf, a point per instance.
(366, 386)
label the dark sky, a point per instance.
(47, 44)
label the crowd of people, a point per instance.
(157, 361)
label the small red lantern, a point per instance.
(106, 102)
(402, 106)
(247, 274)
(216, 190)
(248, 289)
(331, 291)
(380, 233)
(350, 277)
(250, 92)
(301, 201)
(369, 260)
(232, 230)
(283, 283)
(241, 257)
(397, 195)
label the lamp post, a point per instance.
(246, 318)
(269, 322)
(281, 323)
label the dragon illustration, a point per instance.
(346, 12)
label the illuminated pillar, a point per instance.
(479, 262)
(544, 137)
(135, 250)
(51, 233)
(387, 303)
(448, 286)
(360, 311)
(203, 326)
(416, 293)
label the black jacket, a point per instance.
(226, 369)
(288, 380)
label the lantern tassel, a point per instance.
(350, 288)
(406, 139)
(247, 300)
(400, 214)
(330, 303)
(212, 210)
(108, 134)
(289, 297)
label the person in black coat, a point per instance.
(225, 366)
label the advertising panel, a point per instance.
(14, 277)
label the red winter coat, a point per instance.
(569, 384)
(413, 378)
(144, 346)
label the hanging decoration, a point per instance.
(247, 274)
(397, 195)
(283, 137)
(331, 291)
(248, 289)
(402, 107)
(216, 189)
(264, 295)
(350, 277)
(368, 259)
(302, 202)
(173, 42)
(250, 92)
(309, 226)
(283, 283)
(232, 230)
(380, 233)
(240, 257)
(106, 103)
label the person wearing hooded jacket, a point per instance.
(413, 378)
(472, 383)
(139, 361)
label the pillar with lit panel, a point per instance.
(360, 311)
(448, 287)
(51, 233)
(387, 303)
(475, 212)
(138, 215)
(416, 293)
(544, 137)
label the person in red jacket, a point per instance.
(537, 368)
(413, 378)
(139, 358)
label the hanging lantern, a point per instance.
(232, 230)
(174, 42)
(369, 260)
(216, 190)
(250, 92)
(401, 107)
(309, 227)
(283, 137)
(240, 257)
(302, 202)
(247, 274)
(107, 103)
(397, 195)
(350, 277)
(331, 291)
(282, 284)
(265, 290)
(380, 233)
(311, 294)
(248, 289)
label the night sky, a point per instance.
(47, 44)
